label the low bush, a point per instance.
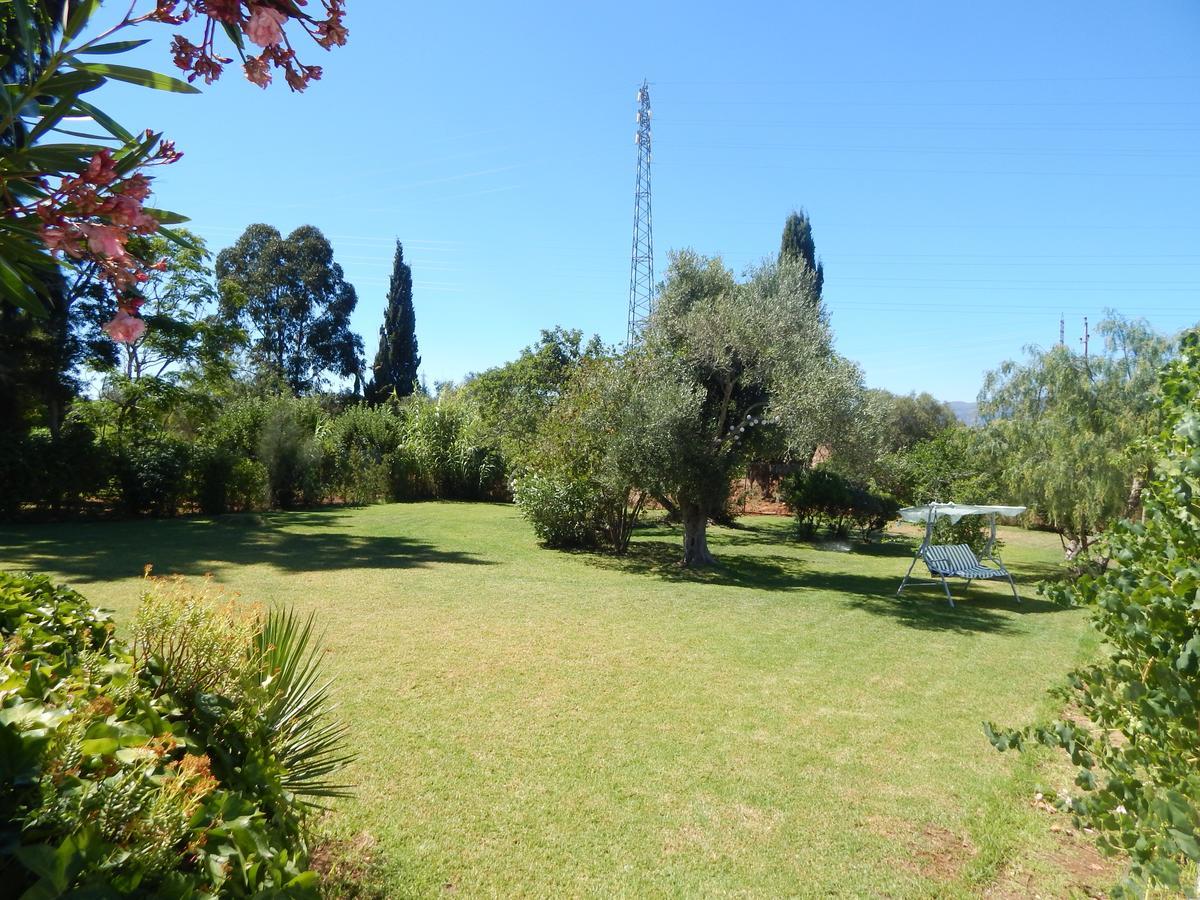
(823, 498)
(185, 766)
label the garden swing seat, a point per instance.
(956, 560)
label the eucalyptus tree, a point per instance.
(1063, 428)
(729, 372)
(295, 302)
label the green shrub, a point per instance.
(187, 769)
(1134, 734)
(357, 448)
(212, 474)
(51, 476)
(289, 450)
(563, 511)
(249, 487)
(822, 497)
(152, 475)
(439, 436)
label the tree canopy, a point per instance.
(1062, 428)
(295, 302)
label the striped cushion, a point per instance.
(958, 560)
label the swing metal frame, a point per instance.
(941, 566)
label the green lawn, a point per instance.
(541, 724)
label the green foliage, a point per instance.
(1137, 744)
(289, 450)
(443, 446)
(797, 246)
(358, 447)
(173, 771)
(821, 496)
(394, 373)
(49, 476)
(564, 512)
(293, 299)
(151, 474)
(585, 461)
(514, 399)
(949, 467)
(1063, 428)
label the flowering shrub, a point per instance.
(150, 774)
(83, 201)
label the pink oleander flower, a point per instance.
(105, 240)
(265, 26)
(124, 328)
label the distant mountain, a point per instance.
(968, 413)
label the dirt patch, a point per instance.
(1084, 870)
(934, 852)
(348, 866)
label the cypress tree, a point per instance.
(797, 243)
(396, 362)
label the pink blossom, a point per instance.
(106, 240)
(124, 328)
(54, 238)
(265, 26)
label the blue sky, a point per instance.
(971, 170)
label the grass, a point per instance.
(538, 723)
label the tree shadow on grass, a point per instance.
(662, 559)
(197, 546)
(977, 610)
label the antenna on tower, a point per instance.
(641, 266)
(1062, 330)
(1084, 340)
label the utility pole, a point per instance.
(641, 266)
(1062, 330)
(1084, 340)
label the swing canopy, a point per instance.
(920, 515)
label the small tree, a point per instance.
(514, 399)
(396, 362)
(1137, 751)
(727, 372)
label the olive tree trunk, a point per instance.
(695, 536)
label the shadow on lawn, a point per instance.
(922, 607)
(662, 559)
(196, 546)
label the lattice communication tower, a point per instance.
(641, 266)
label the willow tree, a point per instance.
(1064, 429)
(727, 372)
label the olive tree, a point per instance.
(727, 372)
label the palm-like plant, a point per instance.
(308, 743)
